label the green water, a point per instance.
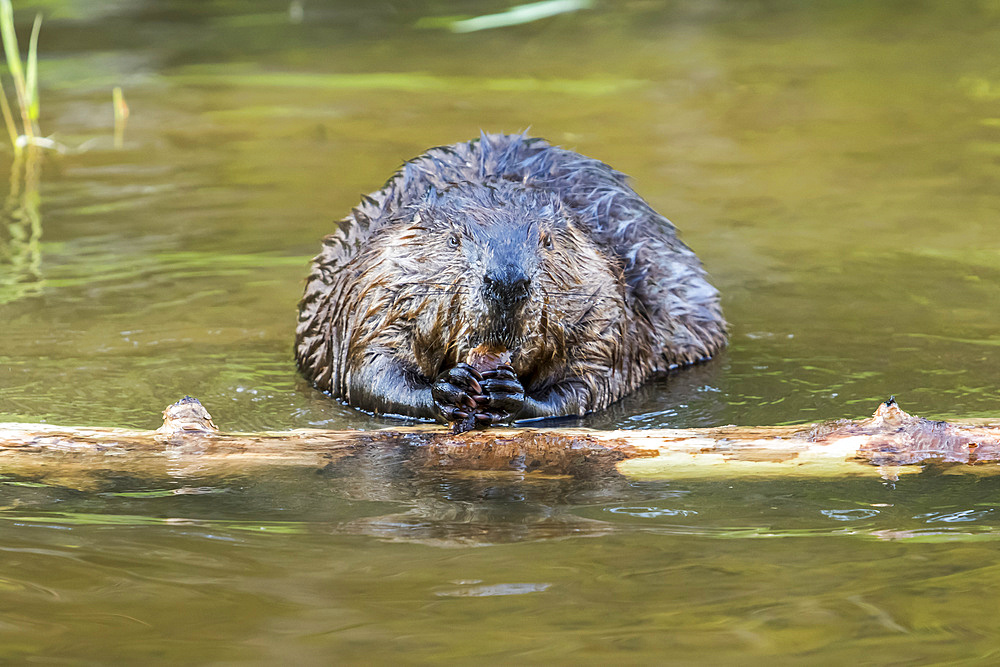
(835, 165)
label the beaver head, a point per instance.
(495, 239)
(497, 263)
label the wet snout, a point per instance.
(506, 286)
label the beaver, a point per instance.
(508, 247)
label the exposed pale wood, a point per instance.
(889, 442)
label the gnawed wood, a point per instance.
(889, 442)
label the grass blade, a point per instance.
(8, 119)
(31, 83)
(10, 40)
(13, 56)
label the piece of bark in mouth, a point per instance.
(488, 357)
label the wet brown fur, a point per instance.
(615, 297)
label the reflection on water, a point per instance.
(399, 492)
(470, 507)
(834, 165)
(21, 234)
(384, 561)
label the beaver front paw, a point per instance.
(503, 395)
(453, 392)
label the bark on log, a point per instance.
(888, 443)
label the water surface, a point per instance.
(835, 165)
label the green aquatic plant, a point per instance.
(25, 78)
(20, 217)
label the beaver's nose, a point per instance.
(507, 285)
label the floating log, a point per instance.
(888, 443)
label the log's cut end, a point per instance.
(892, 437)
(187, 415)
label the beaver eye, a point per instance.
(547, 241)
(454, 241)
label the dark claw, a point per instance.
(506, 395)
(487, 418)
(469, 375)
(453, 414)
(449, 394)
(453, 391)
(490, 398)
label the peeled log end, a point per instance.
(892, 437)
(187, 415)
